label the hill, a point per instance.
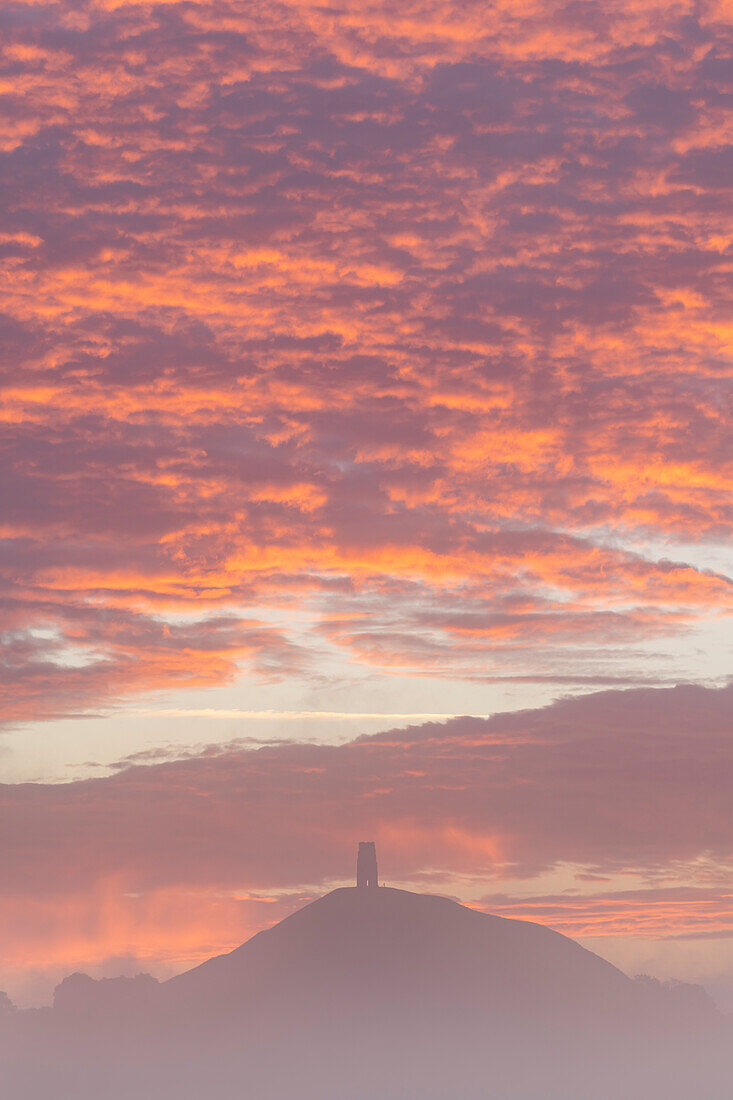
(362, 950)
(375, 992)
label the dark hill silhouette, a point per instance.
(371, 993)
(375, 946)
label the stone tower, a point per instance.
(366, 864)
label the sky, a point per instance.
(366, 472)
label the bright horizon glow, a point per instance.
(298, 715)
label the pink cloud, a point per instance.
(296, 300)
(677, 912)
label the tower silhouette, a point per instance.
(366, 864)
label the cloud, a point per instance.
(300, 300)
(686, 912)
(77, 657)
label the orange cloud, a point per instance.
(678, 912)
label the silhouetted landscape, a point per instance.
(372, 991)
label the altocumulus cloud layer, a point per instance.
(410, 318)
